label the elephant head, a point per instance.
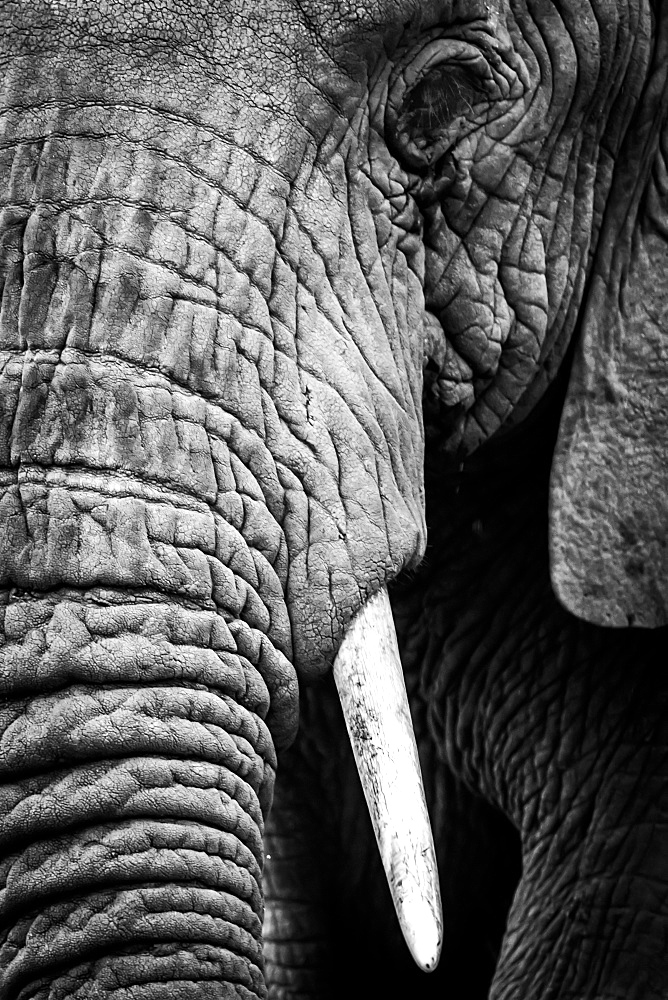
(252, 255)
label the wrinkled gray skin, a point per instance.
(288, 290)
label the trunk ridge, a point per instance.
(136, 767)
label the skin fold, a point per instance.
(300, 300)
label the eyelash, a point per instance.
(448, 92)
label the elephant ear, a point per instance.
(609, 487)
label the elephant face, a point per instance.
(249, 253)
(292, 231)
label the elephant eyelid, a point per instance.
(442, 87)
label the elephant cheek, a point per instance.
(136, 770)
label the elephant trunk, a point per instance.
(145, 646)
(136, 769)
(144, 638)
(167, 485)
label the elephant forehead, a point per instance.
(281, 35)
(221, 33)
(261, 24)
(267, 50)
(183, 20)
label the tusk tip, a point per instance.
(422, 927)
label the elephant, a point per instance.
(305, 303)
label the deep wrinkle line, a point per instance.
(10, 475)
(171, 116)
(170, 383)
(55, 895)
(136, 144)
(22, 981)
(190, 684)
(365, 432)
(117, 483)
(249, 760)
(215, 513)
(176, 821)
(350, 330)
(309, 368)
(360, 352)
(295, 267)
(54, 477)
(99, 597)
(347, 320)
(221, 311)
(162, 214)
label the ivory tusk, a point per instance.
(370, 682)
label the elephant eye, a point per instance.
(436, 90)
(448, 92)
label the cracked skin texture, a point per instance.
(232, 236)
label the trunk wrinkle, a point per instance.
(132, 813)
